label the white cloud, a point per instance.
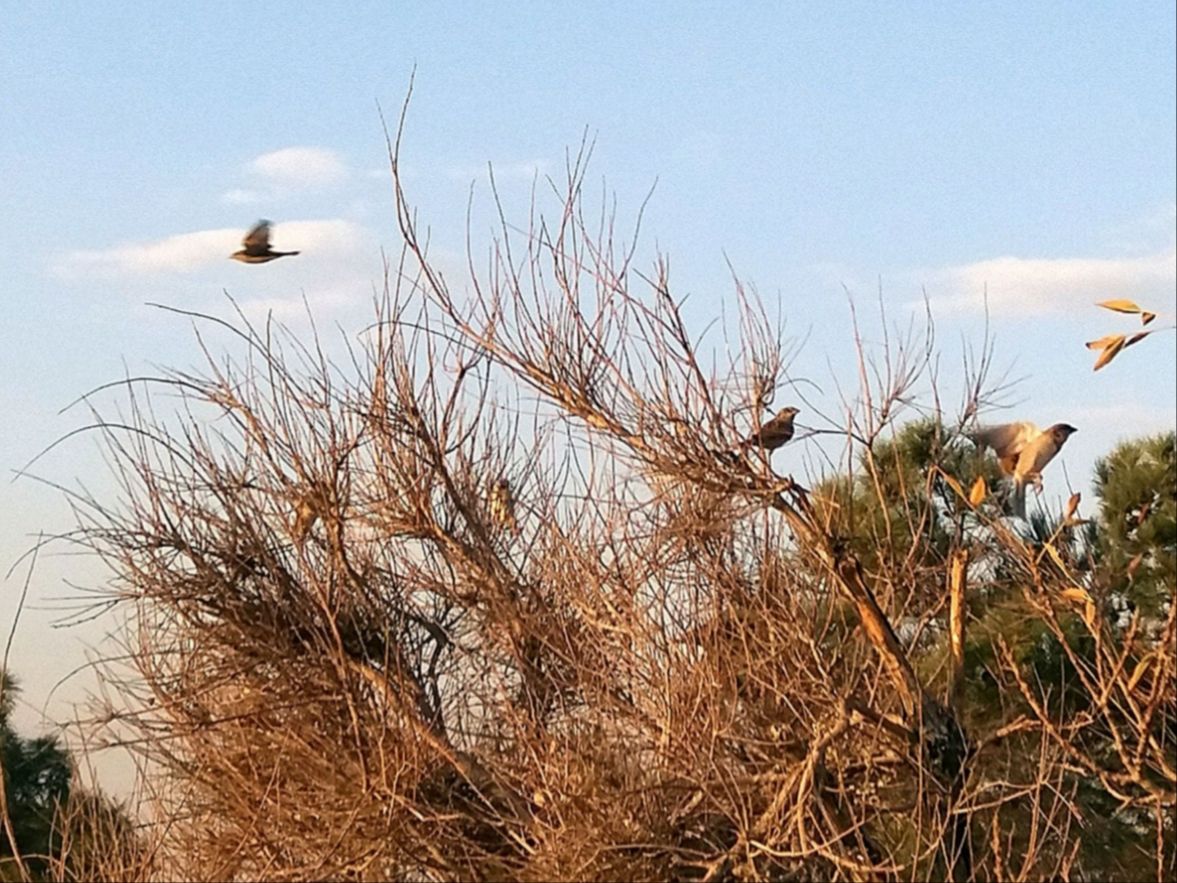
(319, 240)
(323, 302)
(238, 196)
(1034, 286)
(330, 238)
(297, 167)
(175, 254)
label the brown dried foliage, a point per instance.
(343, 666)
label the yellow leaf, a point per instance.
(1147, 317)
(978, 492)
(1120, 306)
(954, 484)
(1138, 672)
(1109, 353)
(1057, 559)
(1103, 342)
(1089, 616)
(1072, 505)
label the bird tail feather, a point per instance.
(1019, 499)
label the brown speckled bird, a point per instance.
(1023, 451)
(502, 505)
(775, 432)
(305, 516)
(256, 246)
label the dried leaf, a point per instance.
(978, 492)
(1072, 505)
(1120, 306)
(1056, 557)
(1109, 353)
(1090, 612)
(1103, 342)
(1137, 337)
(1147, 317)
(1138, 672)
(1134, 565)
(954, 484)
(1080, 598)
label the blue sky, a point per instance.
(952, 148)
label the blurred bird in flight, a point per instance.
(256, 246)
(1023, 451)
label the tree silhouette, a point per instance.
(36, 783)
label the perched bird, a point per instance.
(256, 246)
(775, 432)
(502, 505)
(1023, 450)
(305, 516)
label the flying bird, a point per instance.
(256, 246)
(775, 432)
(1023, 451)
(502, 505)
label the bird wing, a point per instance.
(1018, 499)
(758, 435)
(1036, 455)
(1007, 439)
(772, 434)
(258, 239)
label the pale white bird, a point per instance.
(1023, 451)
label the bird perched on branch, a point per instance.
(773, 433)
(256, 246)
(1023, 451)
(305, 516)
(770, 436)
(502, 505)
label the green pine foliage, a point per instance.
(901, 514)
(923, 510)
(36, 782)
(1137, 537)
(60, 831)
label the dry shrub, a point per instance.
(671, 663)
